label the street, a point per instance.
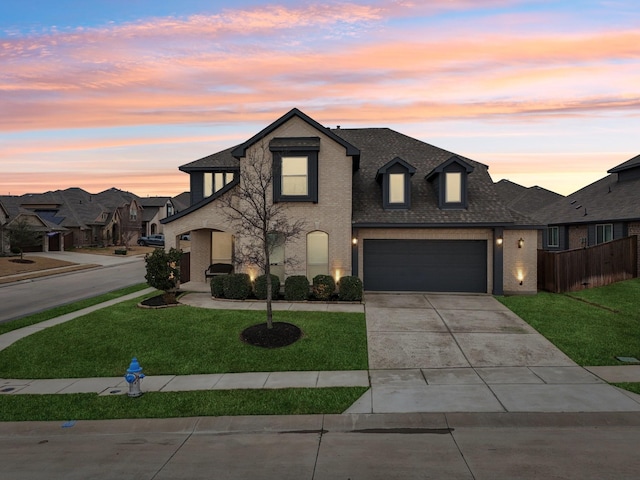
(32, 296)
(468, 446)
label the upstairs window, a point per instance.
(395, 177)
(295, 169)
(295, 176)
(396, 188)
(453, 187)
(215, 181)
(133, 213)
(450, 180)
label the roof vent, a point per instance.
(578, 207)
(572, 202)
(585, 212)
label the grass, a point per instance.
(591, 326)
(83, 406)
(176, 341)
(64, 309)
(181, 341)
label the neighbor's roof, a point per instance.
(605, 200)
(526, 200)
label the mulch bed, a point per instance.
(24, 260)
(157, 302)
(281, 335)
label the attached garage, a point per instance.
(425, 265)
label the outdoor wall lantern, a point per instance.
(499, 241)
(520, 242)
(354, 241)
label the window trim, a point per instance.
(397, 166)
(312, 176)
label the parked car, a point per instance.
(152, 241)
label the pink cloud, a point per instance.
(241, 66)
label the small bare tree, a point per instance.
(261, 224)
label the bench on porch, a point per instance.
(216, 269)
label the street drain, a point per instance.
(628, 359)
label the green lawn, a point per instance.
(181, 341)
(64, 309)
(591, 326)
(85, 406)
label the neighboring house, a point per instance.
(605, 210)
(182, 201)
(84, 219)
(155, 209)
(401, 214)
(527, 200)
(4, 234)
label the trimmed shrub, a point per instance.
(237, 286)
(260, 287)
(217, 286)
(323, 287)
(296, 288)
(350, 289)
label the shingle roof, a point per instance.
(525, 200)
(380, 145)
(218, 161)
(632, 163)
(605, 200)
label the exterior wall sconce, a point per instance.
(520, 242)
(354, 241)
(499, 241)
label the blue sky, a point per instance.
(112, 93)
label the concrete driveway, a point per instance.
(469, 353)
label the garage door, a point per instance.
(425, 265)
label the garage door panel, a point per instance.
(425, 265)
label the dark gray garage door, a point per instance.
(425, 265)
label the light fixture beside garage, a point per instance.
(354, 241)
(520, 242)
(499, 241)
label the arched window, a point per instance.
(317, 254)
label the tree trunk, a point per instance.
(267, 271)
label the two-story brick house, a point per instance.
(401, 214)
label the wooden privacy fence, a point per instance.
(589, 267)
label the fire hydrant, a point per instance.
(133, 377)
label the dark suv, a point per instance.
(152, 241)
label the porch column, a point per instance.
(498, 261)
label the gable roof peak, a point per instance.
(392, 163)
(453, 159)
(241, 150)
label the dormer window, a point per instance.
(215, 181)
(395, 177)
(450, 182)
(453, 187)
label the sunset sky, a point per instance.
(113, 93)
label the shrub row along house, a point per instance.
(75, 218)
(399, 213)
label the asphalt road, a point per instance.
(28, 297)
